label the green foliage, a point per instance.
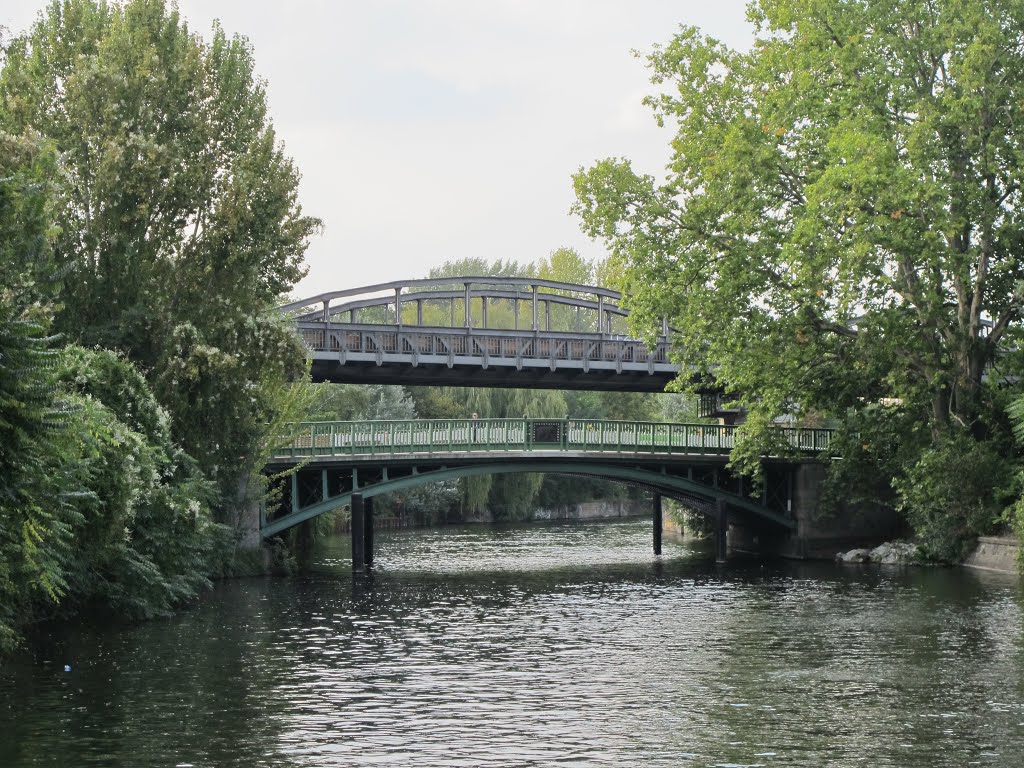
(339, 402)
(953, 493)
(1014, 513)
(795, 203)
(147, 537)
(138, 166)
(478, 267)
(565, 265)
(839, 223)
(38, 476)
(695, 524)
(877, 444)
(178, 222)
(439, 402)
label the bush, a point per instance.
(952, 494)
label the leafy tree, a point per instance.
(178, 222)
(146, 539)
(37, 476)
(566, 266)
(840, 220)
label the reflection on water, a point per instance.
(545, 645)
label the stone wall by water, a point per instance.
(995, 553)
(595, 510)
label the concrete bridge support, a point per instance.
(818, 534)
(721, 531)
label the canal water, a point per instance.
(548, 645)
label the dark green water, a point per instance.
(566, 645)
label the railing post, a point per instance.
(398, 307)
(535, 328)
(467, 313)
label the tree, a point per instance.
(36, 477)
(179, 228)
(840, 220)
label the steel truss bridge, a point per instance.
(338, 461)
(480, 331)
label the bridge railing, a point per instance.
(389, 438)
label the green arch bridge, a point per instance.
(349, 463)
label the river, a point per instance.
(543, 645)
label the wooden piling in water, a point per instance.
(358, 533)
(657, 523)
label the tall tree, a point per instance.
(840, 220)
(179, 223)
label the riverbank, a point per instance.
(1000, 554)
(995, 553)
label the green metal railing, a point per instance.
(389, 438)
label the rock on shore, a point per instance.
(890, 553)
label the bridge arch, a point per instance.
(537, 294)
(489, 331)
(661, 481)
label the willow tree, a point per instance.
(179, 227)
(840, 222)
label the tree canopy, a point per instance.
(839, 224)
(149, 226)
(178, 227)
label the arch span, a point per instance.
(659, 479)
(480, 331)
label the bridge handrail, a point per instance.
(387, 300)
(445, 281)
(425, 436)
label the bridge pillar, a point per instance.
(358, 534)
(721, 531)
(657, 523)
(368, 532)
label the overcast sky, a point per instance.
(429, 130)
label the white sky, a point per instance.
(429, 130)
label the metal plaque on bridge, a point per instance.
(546, 432)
